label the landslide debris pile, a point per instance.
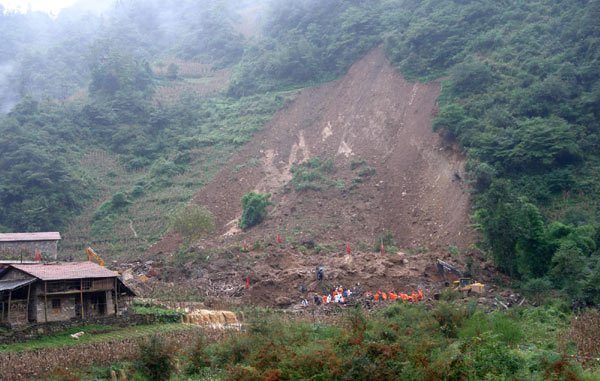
(345, 162)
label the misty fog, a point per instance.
(46, 57)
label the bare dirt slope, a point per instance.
(371, 113)
(374, 114)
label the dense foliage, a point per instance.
(521, 95)
(46, 57)
(401, 342)
(521, 99)
(156, 359)
(312, 174)
(193, 221)
(42, 143)
(254, 207)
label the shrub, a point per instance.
(156, 359)
(389, 244)
(449, 294)
(172, 70)
(255, 209)
(198, 356)
(312, 174)
(193, 221)
(449, 318)
(366, 171)
(494, 358)
(119, 200)
(357, 163)
(536, 289)
(357, 322)
(508, 330)
(165, 168)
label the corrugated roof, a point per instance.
(44, 236)
(10, 285)
(68, 270)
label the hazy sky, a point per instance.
(48, 6)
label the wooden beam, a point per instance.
(9, 299)
(116, 297)
(81, 297)
(76, 291)
(27, 310)
(46, 301)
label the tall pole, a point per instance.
(28, 293)
(46, 301)
(116, 297)
(81, 297)
(9, 299)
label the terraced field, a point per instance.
(144, 221)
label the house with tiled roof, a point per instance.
(47, 292)
(26, 245)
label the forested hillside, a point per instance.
(521, 96)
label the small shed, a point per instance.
(46, 292)
(27, 244)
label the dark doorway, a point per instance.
(96, 304)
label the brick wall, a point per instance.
(13, 250)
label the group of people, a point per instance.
(414, 297)
(338, 295)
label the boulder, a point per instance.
(283, 301)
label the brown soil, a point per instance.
(371, 113)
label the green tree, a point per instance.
(470, 77)
(533, 255)
(193, 221)
(172, 70)
(536, 289)
(591, 286)
(255, 209)
(495, 219)
(119, 200)
(569, 269)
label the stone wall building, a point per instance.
(25, 245)
(48, 292)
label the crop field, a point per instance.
(57, 356)
(143, 222)
(185, 68)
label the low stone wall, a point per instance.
(33, 331)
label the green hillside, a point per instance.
(521, 95)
